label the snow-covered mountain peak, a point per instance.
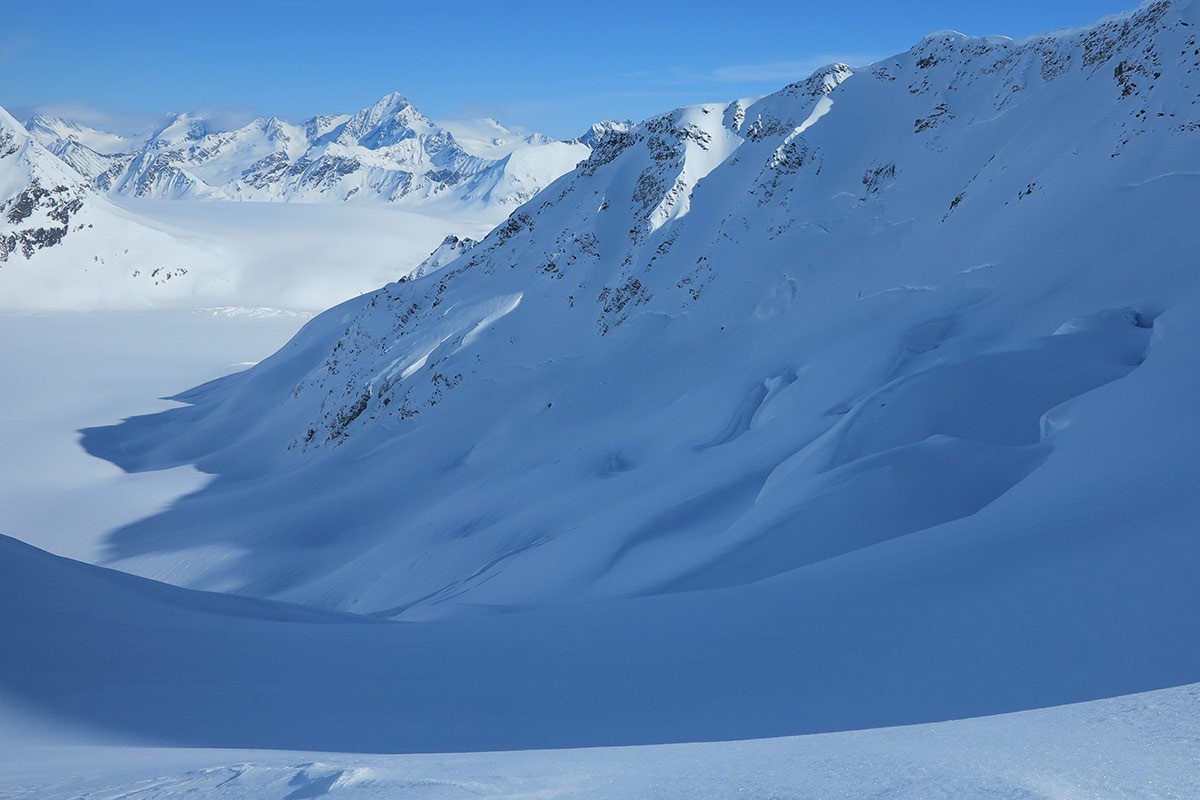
(181, 130)
(486, 137)
(9, 126)
(821, 82)
(26, 160)
(601, 129)
(390, 120)
(388, 105)
(41, 198)
(50, 129)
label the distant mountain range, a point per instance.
(387, 153)
(68, 192)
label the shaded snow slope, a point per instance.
(951, 295)
(946, 627)
(1141, 746)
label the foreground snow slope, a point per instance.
(949, 298)
(1143, 746)
(887, 636)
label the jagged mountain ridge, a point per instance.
(389, 152)
(99, 252)
(130, 250)
(66, 246)
(873, 309)
(39, 194)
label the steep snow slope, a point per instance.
(386, 153)
(946, 299)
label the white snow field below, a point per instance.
(66, 371)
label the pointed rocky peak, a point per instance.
(390, 103)
(9, 124)
(602, 129)
(390, 120)
(451, 248)
(821, 82)
(181, 129)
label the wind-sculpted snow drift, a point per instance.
(867, 402)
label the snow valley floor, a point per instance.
(65, 371)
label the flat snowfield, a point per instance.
(307, 255)
(65, 371)
(1141, 746)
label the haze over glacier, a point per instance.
(866, 403)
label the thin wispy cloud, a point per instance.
(782, 70)
(129, 124)
(11, 47)
(651, 82)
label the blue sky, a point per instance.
(551, 67)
